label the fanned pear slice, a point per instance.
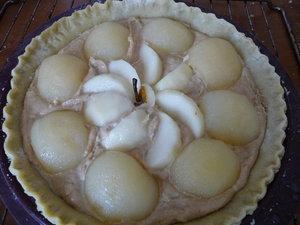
(152, 64)
(230, 117)
(217, 62)
(205, 168)
(177, 79)
(124, 69)
(108, 41)
(166, 145)
(59, 140)
(108, 82)
(168, 35)
(182, 108)
(106, 107)
(118, 187)
(148, 95)
(59, 77)
(129, 133)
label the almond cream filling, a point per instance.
(172, 204)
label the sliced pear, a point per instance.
(177, 79)
(151, 63)
(168, 35)
(108, 82)
(106, 107)
(108, 41)
(125, 70)
(230, 117)
(118, 187)
(166, 145)
(59, 77)
(182, 108)
(217, 62)
(205, 168)
(59, 140)
(148, 95)
(129, 133)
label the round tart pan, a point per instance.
(277, 207)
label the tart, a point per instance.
(144, 112)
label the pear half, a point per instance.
(168, 35)
(59, 77)
(118, 187)
(107, 41)
(230, 117)
(217, 62)
(59, 140)
(205, 168)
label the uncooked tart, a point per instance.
(144, 112)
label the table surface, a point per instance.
(26, 16)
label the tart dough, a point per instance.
(50, 42)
